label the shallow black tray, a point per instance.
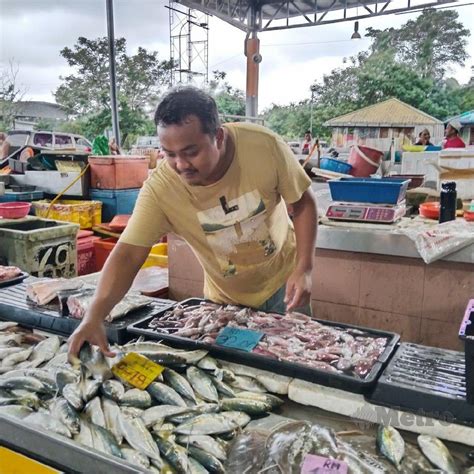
(14, 306)
(425, 378)
(14, 281)
(466, 333)
(290, 369)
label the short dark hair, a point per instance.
(307, 131)
(183, 101)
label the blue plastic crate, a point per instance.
(26, 196)
(114, 202)
(370, 190)
(335, 165)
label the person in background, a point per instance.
(452, 138)
(4, 146)
(114, 149)
(424, 138)
(214, 189)
(307, 143)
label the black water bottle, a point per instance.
(447, 209)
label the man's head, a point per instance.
(190, 134)
(452, 128)
(307, 135)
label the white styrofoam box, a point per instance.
(419, 163)
(459, 167)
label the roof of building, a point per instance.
(389, 113)
(39, 109)
(466, 118)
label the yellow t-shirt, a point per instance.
(238, 227)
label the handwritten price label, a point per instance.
(319, 465)
(137, 370)
(242, 339)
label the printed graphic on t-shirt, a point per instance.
(237, 232)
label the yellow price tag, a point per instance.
(15, 463)
(137, 370)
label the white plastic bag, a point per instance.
(435, 242)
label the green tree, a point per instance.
(10, 94)
(229, 100)
(86, 93)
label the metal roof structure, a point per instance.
(466, 118)
(389, 113)
(268, 15)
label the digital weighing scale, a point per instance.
(360, 212)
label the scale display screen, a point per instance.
(365, 213)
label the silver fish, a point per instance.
(152, 415)
(65, 377)
(136, 398)
(132, 412)
(179, 383)
(11, 339)
(59, 361)
(113, 389)
(135, 457)
(209, 461)
(89, 389)
(104, 441)
(207, 424)
(248, 384)
(17, 411)
(208, 363)
(23, 383)
(85, 434)
(6, 351)
(273, 400)
(111, 414)
(391, 444)
(138, 437)
(437, 453)
(165, 394)
(206, 443)
(195, 467)
(61, 410)
(45, 350)
(93, 411)
(47, 423)
(72, 393)
(222, 387)
(247, 405)
(95, 362)
(15, 358)
(202, 384)
(174, 454)
(240, 418)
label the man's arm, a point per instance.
(305, 221)
(115, 280)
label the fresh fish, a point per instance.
(4, 325)
(240, 418)
(65, 377)
(273, 400)
(6, 351)
(152, 415)
(136, 398)
(437, 453)
(182, 417)
(224, 374)
(104, 441)
(391, 444)
(61, 410)
(154, 349)
(93, 411)
(202, 384)
(164, 430)
(58, 361)
(179, 383)
(222, 387)
(45, 350)
(11, 339)
(95, 362)
(138, 437)
(15, 358)
(208, 363)
(206, 443)
(174, 454)
(29, 399)
(72, 393)
(23, 383)
(207, 424)
(17, 411)
(247, 405)
(113, 389)
(135, 457)
(132, 411)
(47, 423)
(209, 461)
(248, 384)
(112, 414)
(165, 394)
(85, 434)
(89, 389)
(196, 467)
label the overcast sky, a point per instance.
(32, 32)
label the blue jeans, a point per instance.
(276, 304)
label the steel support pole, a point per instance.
(113, 78)
(252, 51)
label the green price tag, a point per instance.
(236, 338)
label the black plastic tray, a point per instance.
(466, 333)
(425, 378)
(14, 281)
(290, 369)
(14, 306)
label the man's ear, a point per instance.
(220, 137)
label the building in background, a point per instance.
(376, 126)
(29, 113)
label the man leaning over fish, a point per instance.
(224, 189)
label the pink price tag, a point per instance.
(319, 465)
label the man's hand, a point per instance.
(298, 290)
(92, 332)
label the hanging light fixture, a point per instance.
(356, 34)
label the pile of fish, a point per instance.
(183, 421)
(293, 337)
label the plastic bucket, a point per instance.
(364, 160)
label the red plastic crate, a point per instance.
(103, 247)
(86, 262)
(118, 172)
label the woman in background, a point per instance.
(424, 138)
